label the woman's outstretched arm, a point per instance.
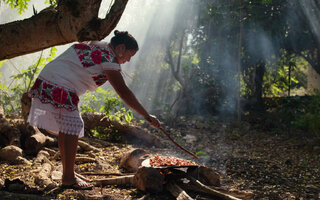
(116, 80)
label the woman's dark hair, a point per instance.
(123, 37)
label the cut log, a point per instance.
(93, 120)
(36, 141)
(149, 180)
(9, 135)
(132, 160)
(10, 153)
(122, 180)
(177, 192)
(42, 179)
(42, 157)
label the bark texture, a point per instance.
(71, 20)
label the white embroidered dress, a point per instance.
(56, 91)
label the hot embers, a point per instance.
(159, 161)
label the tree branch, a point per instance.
(71, 20)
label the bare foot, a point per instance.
(78, 184)
(82, 177)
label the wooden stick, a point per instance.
(177, 192)
(211, 191)
(202, 187)
(106, 174)
(145, 197)
(122, 180)
(188, 152)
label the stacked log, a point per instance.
(9, 135)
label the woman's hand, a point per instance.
(152, 120)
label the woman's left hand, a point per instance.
(153, 120)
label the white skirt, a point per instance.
(55, 120)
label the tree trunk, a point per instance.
(258, 82)
(71, 20)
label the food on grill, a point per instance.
(159, 161)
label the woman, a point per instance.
(81, 68)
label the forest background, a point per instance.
(213, 58)
(252, 63)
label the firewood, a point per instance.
(42, 178)
(132, 160)
(50, 151)
(9, 135)
(106, 174)
(87, 147)
(145, 197)
(41, 158)
(177, 192)
(22, 160)
(122, 180)
(197, 185)
(149, 179)
(36, 141)
(84, 160)
(205, 175)
(10, 153)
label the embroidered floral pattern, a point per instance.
(100, 79)
(90, 55)
(57, 96)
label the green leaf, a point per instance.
(3, 87)
(21, 5)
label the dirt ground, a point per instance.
(270, 165)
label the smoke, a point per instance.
(311, 10)
(150, 22)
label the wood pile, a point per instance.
(178, 181)
(19, 139)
